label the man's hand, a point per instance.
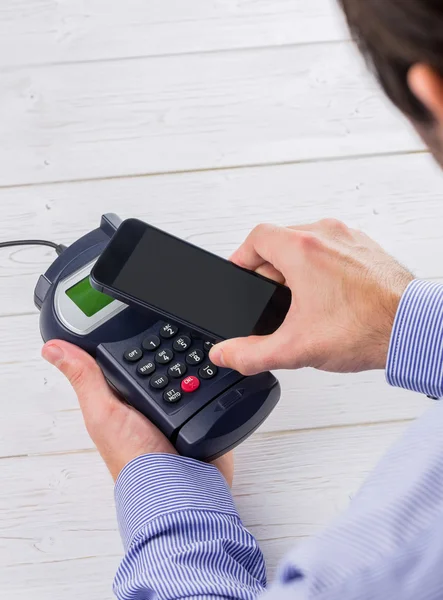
(119, 431)
(345, 290)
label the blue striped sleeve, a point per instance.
(182, 535)
(415, 359)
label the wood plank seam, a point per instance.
(233, 49)
(235, 167)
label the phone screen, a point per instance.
(188, 283)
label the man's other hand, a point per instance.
(345, 290)
(119, 431)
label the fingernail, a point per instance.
(217, 356)
(53, 354)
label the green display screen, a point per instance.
(89, 301)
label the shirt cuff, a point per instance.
(415, 359)
(155, 485)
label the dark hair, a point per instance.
(393, 35)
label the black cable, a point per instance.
(59, 248)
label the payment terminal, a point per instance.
(160, 367)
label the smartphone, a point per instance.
(149, 268)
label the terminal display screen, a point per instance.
(88, 300)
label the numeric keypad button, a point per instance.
(182, 343)
(172, 396)
(163, 357)
(177, 370)
(133, 355)
(195, 357)
(208, 371)
(158, 382)
(146, 368)
(190, 384)
(151, 343)
(208, 345)
(168, 331)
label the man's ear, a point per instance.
(427, 85)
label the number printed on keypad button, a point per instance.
(151, 343)
(172, 396)
(159, 382)
(133, 355)
(182, 343)
(177, 370)
(163, 357)
(168, 331)
(195, 357)
(146, 368)
(208, 371)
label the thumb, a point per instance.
(249, 356)
(94, 395)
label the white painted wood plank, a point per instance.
(190, 112)
(43, 31)
(87, 578)
(60, 508)
(397, 200)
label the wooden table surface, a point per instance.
(203, 117)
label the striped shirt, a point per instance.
(184, 539)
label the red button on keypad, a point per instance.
(190, 384)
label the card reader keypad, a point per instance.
(195, 357)
(146, 368)
(133, 355)
(159, 382)
(163, 357)
(182, 343)
(168, 331)
(151, 343)
(208, 371)
(172, 364)
(177, 370)
(172, 396)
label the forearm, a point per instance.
(388, 544)
(185, 540)
(182, 534)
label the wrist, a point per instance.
(156, 485)
(381, 329)
(119, 459)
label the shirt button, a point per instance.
(190, 384)
(133, 355)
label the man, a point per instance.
(354, 309)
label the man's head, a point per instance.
(402, 41)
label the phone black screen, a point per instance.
(191, 284)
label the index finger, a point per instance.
(265, 244)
